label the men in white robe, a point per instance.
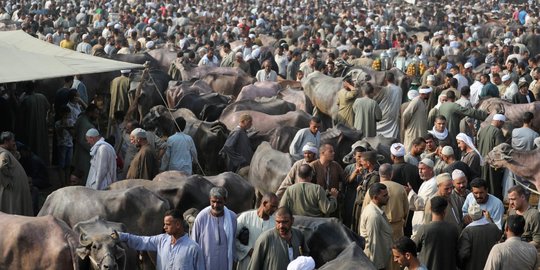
(214, 230)
(103, 161)
(390, 105)
(256, 222)
(417, 202)
(414, 117)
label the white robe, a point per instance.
(418, 202)
(102, 166)
(390, 106)
(256, 227)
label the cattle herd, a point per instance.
(77, 227)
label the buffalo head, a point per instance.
(500, 155)
(104, 251)
(100, 243)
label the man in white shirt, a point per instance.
(417, 202)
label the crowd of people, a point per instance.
(437, 205)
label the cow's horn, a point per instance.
(84, 241)
(115, 235)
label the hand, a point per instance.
(467, 219)
(408, 188)
(487, 215)
(334, 192)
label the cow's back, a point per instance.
(36, 243)
(137, 207)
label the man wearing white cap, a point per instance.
(511, 88)
(477, 239)
(460, 191)
(302, 263)
(145, 164)
(489, 137)
(120, 100)
(310, 155)
(453, 212)
(84, 46)
(415, 117)
(103, 163)
(428, 188)
(404, 173)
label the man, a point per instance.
(524, 95)
(460, 191)
(209, 59)
(518, 201)
(282, 60)
(404, 173)
(454, 113)
(462, 81)
(476, 89)
(444, 190)
(307, 199)
(376, 229)
(448, 157)
(523, 137)
(309, 66)
(310, 155)
(428, 188)
(81, 151)
(255, 222)
(103, 163)
(180, 153)
(493, 207)
(266, 74)
(414, 118)
(469, 154)
(404, 252)
(511, 88)
(437, 241)
(346, 97)
(367, 112)
(328, 173)
(388, 126)
(489, 89)
(214, 230)
(275, 249)
(513, 253)
(84, 46)
(397, 208)
(120, 100)
(418, 147)
(489, 137)
(237, 149)
(305, 135)
(175, 250)
(33, 130)
(145, 163)
(369, 175)
(294, 65)
(440, 132)
(476, 240)
(15, 196)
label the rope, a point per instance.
(523, 185)
(168, 109)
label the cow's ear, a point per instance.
(83, 252)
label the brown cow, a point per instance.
(36, 243)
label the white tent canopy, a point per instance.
(24, 58)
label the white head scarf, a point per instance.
(468, 141)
